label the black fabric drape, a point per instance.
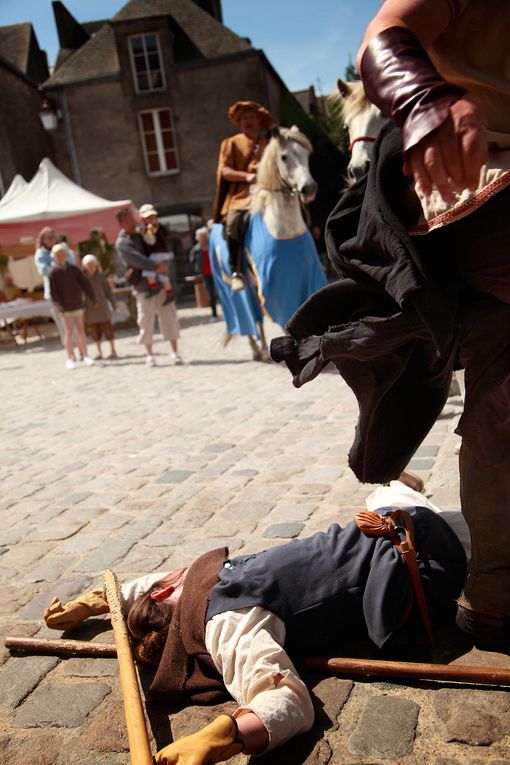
(389, 324)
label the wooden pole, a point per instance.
(60, 647)
(407, 669)
(340, 666)
(133, 709)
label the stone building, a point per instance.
(140, 106)
(142, 101)
(23, 140)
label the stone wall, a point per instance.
(105, 130)
(23, 140)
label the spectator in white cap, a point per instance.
(98, 315)
(154, 236)
(132, 250)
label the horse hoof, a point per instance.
(227, 337)
(237, 283)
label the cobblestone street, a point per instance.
(138, 469)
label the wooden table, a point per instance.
(23, 310)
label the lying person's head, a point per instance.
(150, 616)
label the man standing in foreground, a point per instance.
(237, 170)
(130, 248)
(441, 70)
(434, 245)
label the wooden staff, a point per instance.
(133, 709)
(340, 666)
(408, 669)
(60, 647)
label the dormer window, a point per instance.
(147, 64)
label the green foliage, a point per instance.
(98, 246)
(351, 73)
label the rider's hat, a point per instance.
(239, 107)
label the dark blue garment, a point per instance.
(340, 583)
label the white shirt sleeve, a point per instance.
(246, 648)
(132, 590)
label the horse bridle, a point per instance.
(363, 138)
(285, 188)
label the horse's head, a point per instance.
(363, 121)
(289, 151)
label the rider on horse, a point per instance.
(237, 168)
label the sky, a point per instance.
(308, 43)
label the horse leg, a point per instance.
(255, 350)
(264, 350)
(227, 337)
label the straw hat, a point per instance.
(239, 107)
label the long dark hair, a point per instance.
(43, 233)
(148, 621)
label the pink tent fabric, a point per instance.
(52, 199)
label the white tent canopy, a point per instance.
(52, 199)
(17, 186)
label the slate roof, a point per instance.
(97, 58)
(209, 35)
(15, 44)
(91, 27)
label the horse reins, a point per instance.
(364, 138)
(285, 187)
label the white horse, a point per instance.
(280, 257)
(284, 183)
(363, 121)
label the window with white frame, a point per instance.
(147, 63)
(158, 140)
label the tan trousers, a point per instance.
(148, 309)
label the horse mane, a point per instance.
(354, 103)
(268, 177)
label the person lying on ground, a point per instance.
(239, 623)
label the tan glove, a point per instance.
(74, 612)
(214, 743)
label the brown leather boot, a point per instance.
(484, 604)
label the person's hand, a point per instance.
(162, 268)
(74, 612)
(251, 177)
(450, 158)
(214, 743)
